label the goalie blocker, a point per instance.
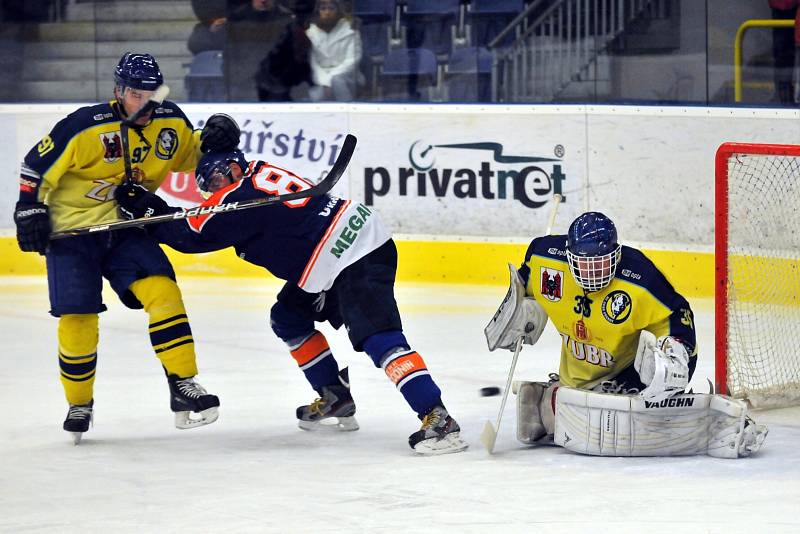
(603, 424)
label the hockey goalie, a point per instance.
(627, 354)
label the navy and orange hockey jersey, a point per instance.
(76, 167)
(600, 330)
(306, 241)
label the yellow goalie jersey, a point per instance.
(600, 330)
(76, 168)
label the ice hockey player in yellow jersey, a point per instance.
(67, 181)
(626, 336)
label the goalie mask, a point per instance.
(214, 170)
(593, 252)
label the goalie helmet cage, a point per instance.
(757, 255)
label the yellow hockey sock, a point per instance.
(77, 355)
(170, 333)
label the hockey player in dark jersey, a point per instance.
(67, 181)
(628, 350)
(339, 263)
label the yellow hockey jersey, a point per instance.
(77, 166)
(600, 330)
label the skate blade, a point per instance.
(447, 445)
(330, 424)
(76, 437)
(184, 420)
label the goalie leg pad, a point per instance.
(535, 417)
(626, 425)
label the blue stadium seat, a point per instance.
(374, 10)
(469, 75)
(497, 6)
(408, 74)
(375, 16)
(489, 17)
(205, 81)
(430, 23)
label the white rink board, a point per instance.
(651, 169)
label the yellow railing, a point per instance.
(737, 47)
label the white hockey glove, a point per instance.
(663, 365)
(518, 316)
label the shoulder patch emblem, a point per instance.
(112, 144)
(167, 143)
(552, 285)
(617, 307)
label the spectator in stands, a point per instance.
(287, 67)
(335, 53)
(209, 33)
(783, 49)
(253, 30)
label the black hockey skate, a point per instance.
(187, 397)
(79, 417)
(333, 410)
(439, 434)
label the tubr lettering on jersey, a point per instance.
(590, 353)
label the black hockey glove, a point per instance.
(136, 202)
(220, 134)
(33, 226)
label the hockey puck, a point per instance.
(490, 391)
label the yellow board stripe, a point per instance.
(453, 262)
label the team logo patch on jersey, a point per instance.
(617, 307)
(167, 143)
(552, 284)
(112, 143)
(581, 331)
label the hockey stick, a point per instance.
(489, 433)
(319, 189)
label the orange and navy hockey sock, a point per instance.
(313, 355)
(405, 368)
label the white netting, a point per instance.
(764, 278)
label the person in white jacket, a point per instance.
(335, 53)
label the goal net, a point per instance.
(758, 273)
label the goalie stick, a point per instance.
(489, 434)
(319, 189)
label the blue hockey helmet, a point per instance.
(216, 165)
(593, 251)
(138, 71)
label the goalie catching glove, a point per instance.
(663, 366)
(518, 316)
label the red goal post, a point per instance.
(757, 253)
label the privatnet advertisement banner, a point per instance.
(477, 171)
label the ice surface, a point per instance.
(255, 471)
